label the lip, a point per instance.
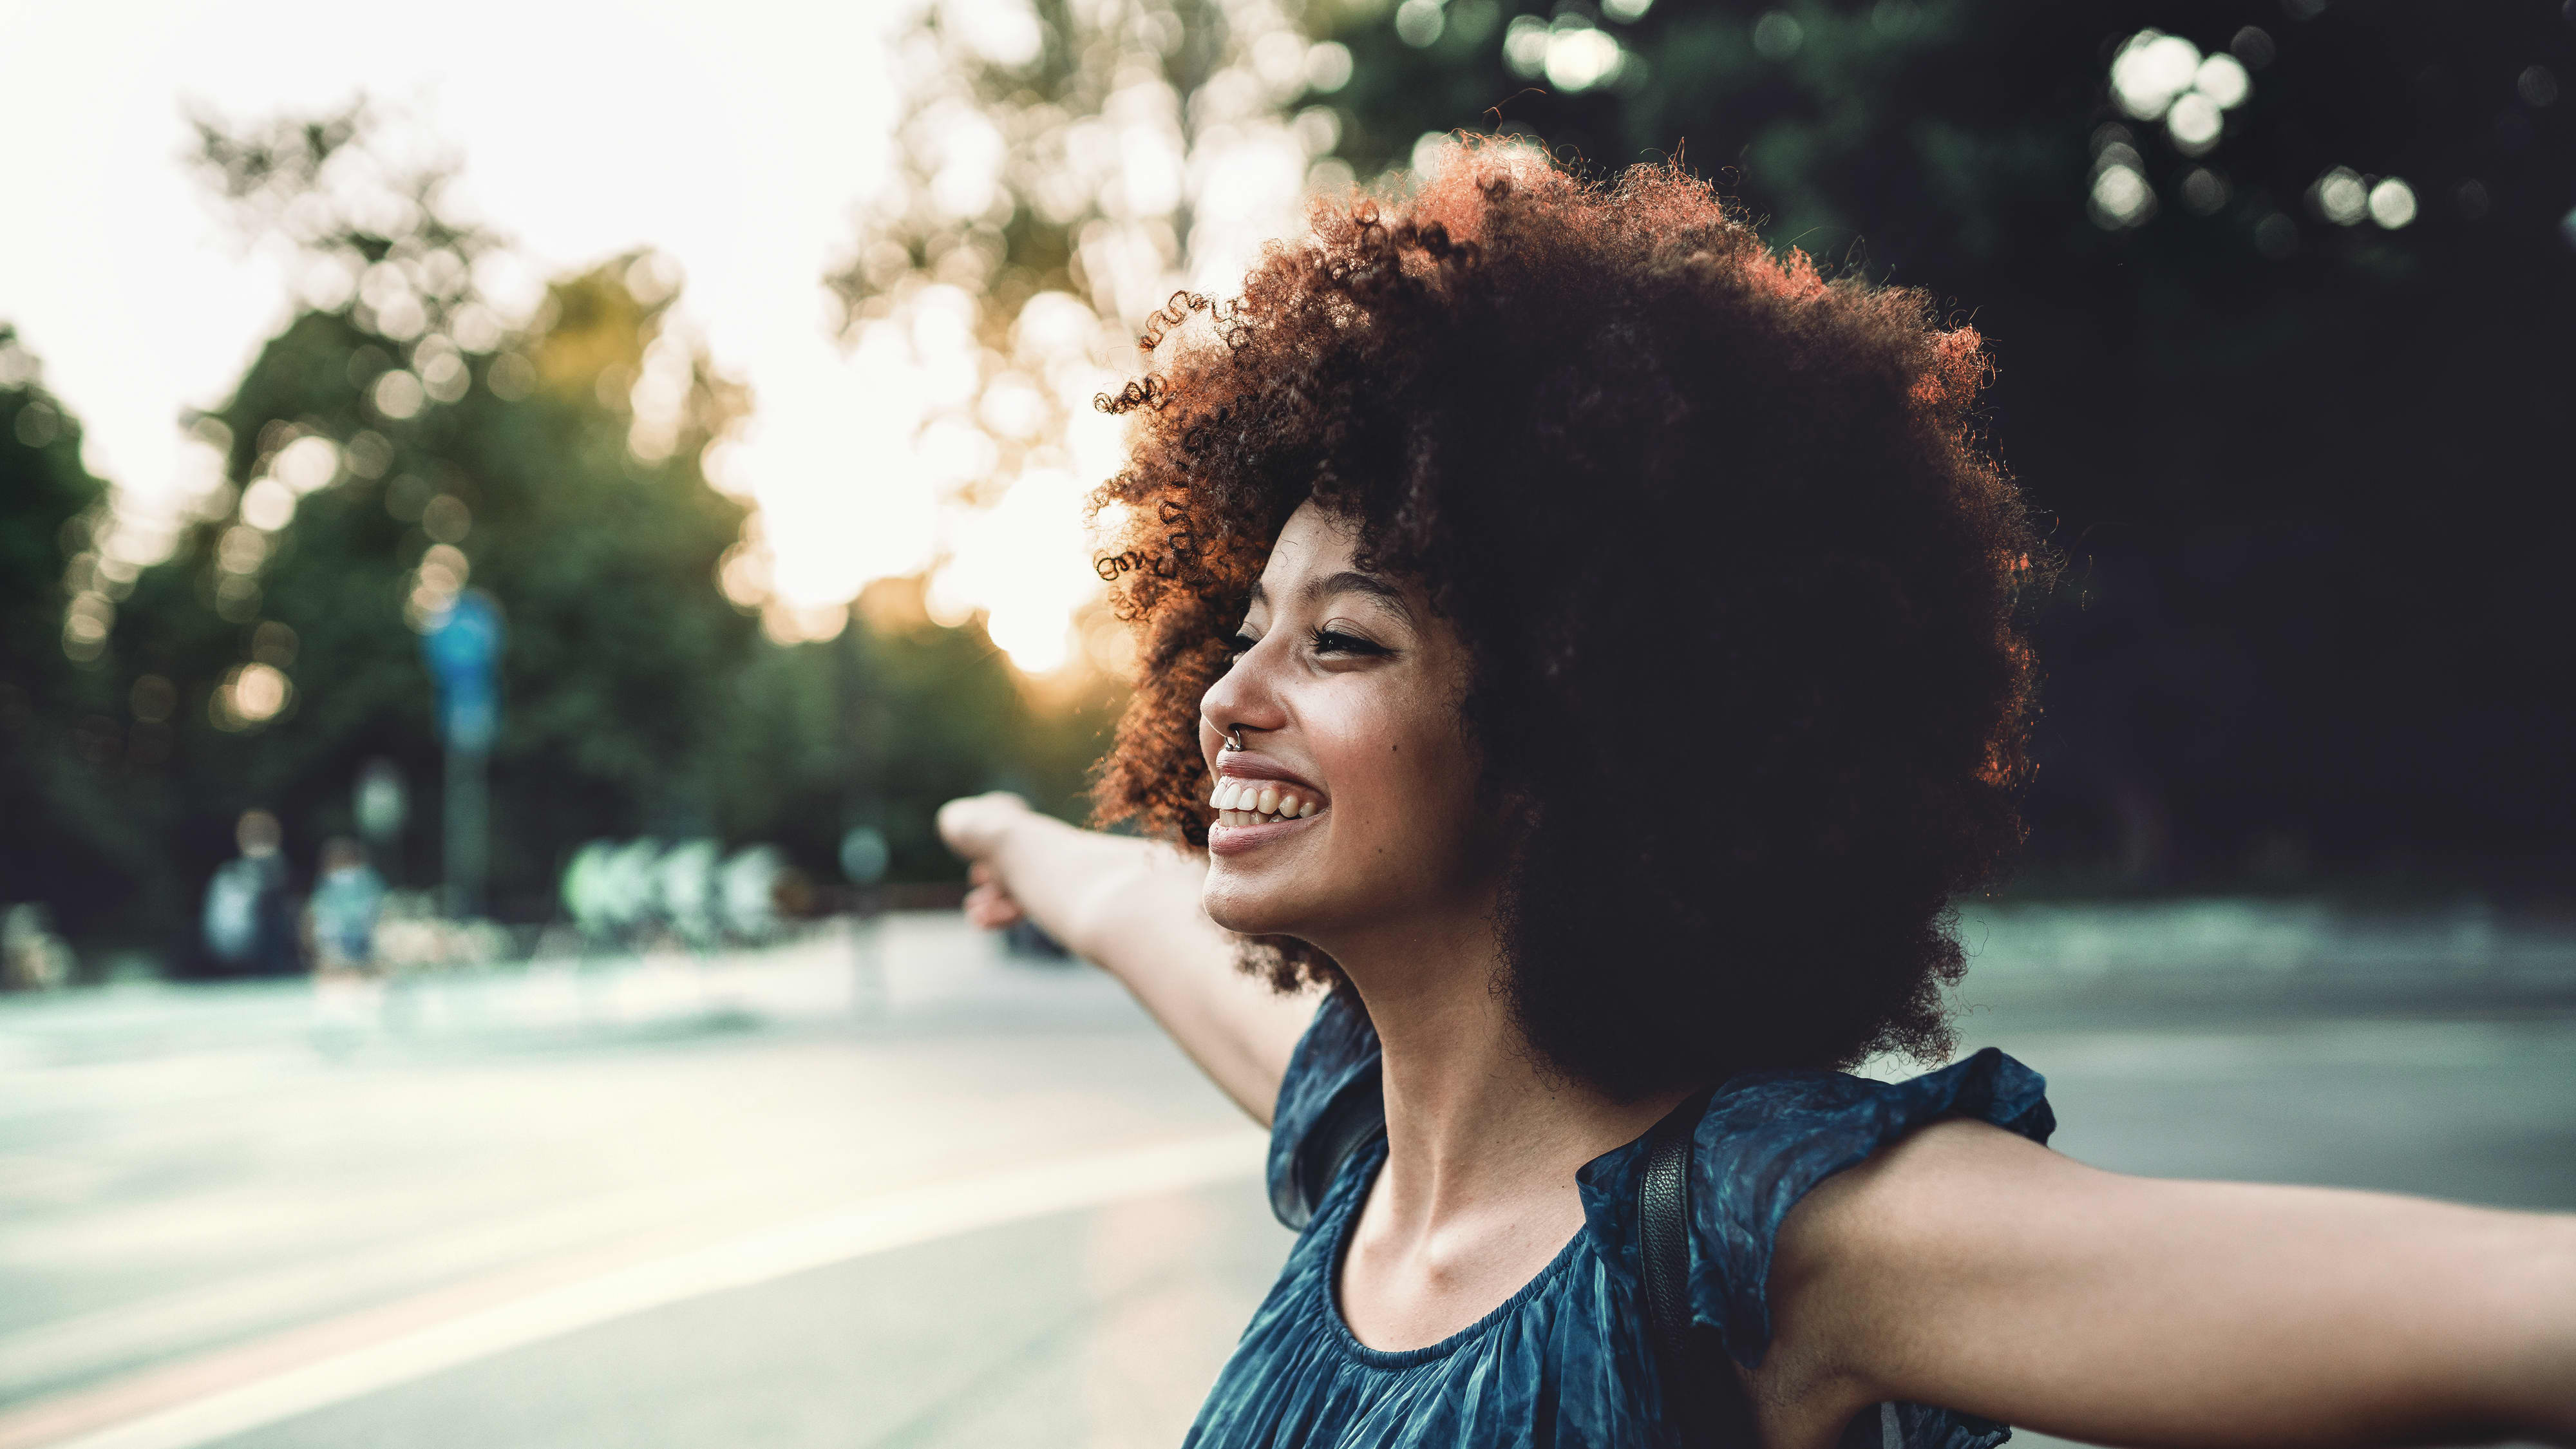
(1252, 765)
(1236, 839)
(1226, 839)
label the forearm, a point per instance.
(2534, 1392)
(1132, 908)
(1066, 879)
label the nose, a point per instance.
(1242, 701)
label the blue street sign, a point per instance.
(463, 647)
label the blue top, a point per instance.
(1564, 1362)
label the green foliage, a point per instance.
(392, 445)
(2299, 452)
(62, 811)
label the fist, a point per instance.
(990, 904)
(973, 827)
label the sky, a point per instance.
(737, 139)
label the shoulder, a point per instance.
(1768, 1139)
(1774, 1147)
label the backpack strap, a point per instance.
(1704, 1393)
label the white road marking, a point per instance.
(895, 1220)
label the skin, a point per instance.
(1964, 1266)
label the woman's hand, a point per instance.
(988, 902)
(974, 827)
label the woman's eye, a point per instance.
(1240, 644)
(1333, 641)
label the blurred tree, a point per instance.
(395, 442)
(1060, 169)
(68, 748)
(399, 442)
(2277, 292)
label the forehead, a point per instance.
(1311, 544)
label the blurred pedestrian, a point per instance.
(32, 957)
(249, 916)
(1625, 679)
(340, 930)
(348, 899)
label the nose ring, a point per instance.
(1233, 739)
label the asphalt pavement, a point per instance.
(898, 1190)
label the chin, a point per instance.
(1243, 903)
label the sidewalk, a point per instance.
(928, 971)
(904, 971)
(2306, 953)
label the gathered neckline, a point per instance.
(1398, 1358)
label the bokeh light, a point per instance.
(2392, 203)
(2120, 195)
(308, 463)
(1777, 35)
(2340, 196)
(252, 695)
(2156, 76)
(1419, 22)
(2151, 70)
(267, 504)
(399, 395)
(2204, 191)
(1580, 57)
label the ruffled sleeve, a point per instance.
(1769, 1137)
(1330, 1095)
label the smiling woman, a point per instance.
(1584, 644)
(1659, 497)
(1341, 696)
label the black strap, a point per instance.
(1705, 1394)
(1703, 1391)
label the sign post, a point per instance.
(463, 647)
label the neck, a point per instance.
(1476, 1119)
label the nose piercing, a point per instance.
(1233, 738)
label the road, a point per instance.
(905, 1192)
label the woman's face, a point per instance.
(1352, 806)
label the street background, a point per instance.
(246, 1191)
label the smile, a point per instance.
(1252, 802)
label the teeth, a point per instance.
(1255, 804)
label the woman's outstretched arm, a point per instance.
(1970, 1268)
(1132, 908)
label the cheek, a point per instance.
(1402, 782)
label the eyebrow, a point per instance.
(1348, 581)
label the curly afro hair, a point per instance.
(1738, 583)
